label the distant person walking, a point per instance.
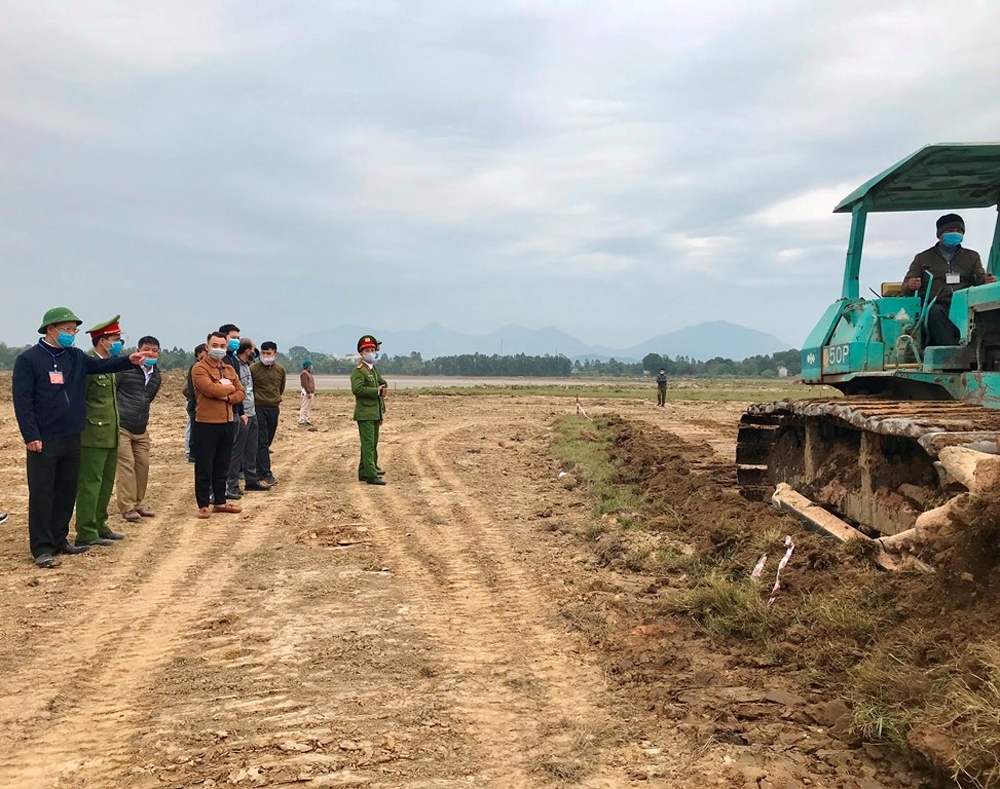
(308, 384)
(49, 388)
(661, 388)
(136, 389)
(218, 390)
(369, 389)
(269, 380)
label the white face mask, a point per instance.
(268, 360)
(368, 357)
(217, 353)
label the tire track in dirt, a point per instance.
(124, 648)
(524, 697)
(127, 569)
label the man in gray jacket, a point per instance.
(135, 390)
(244, 457)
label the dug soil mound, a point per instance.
(913, 654)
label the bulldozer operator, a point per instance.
(953, 267)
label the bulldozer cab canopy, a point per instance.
(945, 176)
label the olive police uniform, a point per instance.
(369, 410)
(98, 450)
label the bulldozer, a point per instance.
(870, 455)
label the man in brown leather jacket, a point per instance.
(953, 267)
(217, 391)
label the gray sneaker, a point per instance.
(45, 560)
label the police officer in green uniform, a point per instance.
(99, 443)
(369, 390)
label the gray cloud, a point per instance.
(616, 171)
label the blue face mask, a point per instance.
(150, 362)
(952, 239)
(234, 344)
(65, 339)
(116, 348)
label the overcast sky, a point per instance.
(616, 170)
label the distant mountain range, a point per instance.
(701, 342)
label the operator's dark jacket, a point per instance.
(966, 263)
(134, 397)
(46, 410)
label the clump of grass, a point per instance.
(968, 709)
(564, 770)
(879, 724)
(727, 608)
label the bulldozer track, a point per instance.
(885, 439)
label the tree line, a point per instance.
(520, 365)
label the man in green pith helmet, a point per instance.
(369, 389)
(99, 443)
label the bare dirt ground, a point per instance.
(451, 629)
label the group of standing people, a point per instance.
(84, 418)
(234, 393)
(68, 405)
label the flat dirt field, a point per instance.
(452, 629)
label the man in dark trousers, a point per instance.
(369, 390)
(218, 392)
(199, 354)
(661, 388)
(49, 388)
(269, 380)
(244, 459)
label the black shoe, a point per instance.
(73, 549)
(82, 545)
(270, 480)
(255, 486)
(112, 535)
(376, 481)
(3, 517)
(234, 494)
(380, 471)
(45, 560)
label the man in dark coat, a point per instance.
(136, 389)
(948, 266)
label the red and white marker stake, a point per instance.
(790, 546)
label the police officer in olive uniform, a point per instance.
(99, 443)
(369, 389)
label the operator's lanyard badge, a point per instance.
(952, 279)
(56, 377)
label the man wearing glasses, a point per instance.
(49, 389)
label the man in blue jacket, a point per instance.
(49, 389)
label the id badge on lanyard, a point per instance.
(952, 279)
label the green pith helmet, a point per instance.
(58, 315)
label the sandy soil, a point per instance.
(431, 633)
